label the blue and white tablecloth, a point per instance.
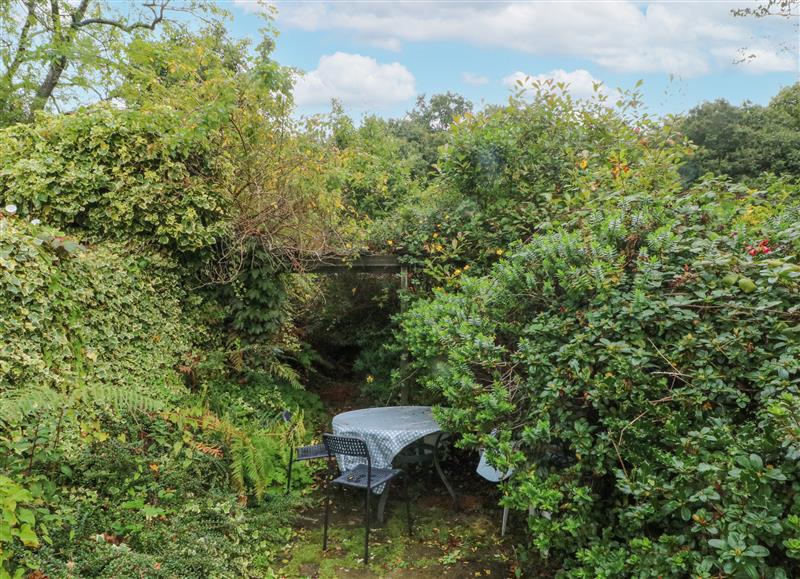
(386, 431)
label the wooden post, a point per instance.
(403, 356)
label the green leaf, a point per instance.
(746, 285)
(26, 516)
(28, 536)
(756, 551)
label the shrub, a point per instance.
(75, 317)
(508, 173)
(99, 435)
(113, 174)
(640, 363)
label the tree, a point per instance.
(426, 125)
(61, 52)
(781, 8)
(786, 9)
(745, 141)
(438, 113)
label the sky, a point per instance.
(377, 56)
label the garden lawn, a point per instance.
(445, 544)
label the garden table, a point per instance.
(387, 431)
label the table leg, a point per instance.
(382, 503)
(440, 472)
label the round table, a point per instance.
(387, 431)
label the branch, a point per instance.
(158, 17)
(24, 41)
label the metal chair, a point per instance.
(301, 453)
(363, 476)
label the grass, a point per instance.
(445, 545)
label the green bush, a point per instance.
(641, 364)
(103, 173)
(99, 434)
(510, 172)
(745, 142)
(78, 318)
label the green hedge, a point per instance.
(75, 316)
(104, 173)
(108, 462)
(641, 363)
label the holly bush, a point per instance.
(637, 364)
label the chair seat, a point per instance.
(357, 477)
(311, 452)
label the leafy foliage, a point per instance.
(53, 53)
(638, 363)
(110, 174)
(506, 173)
(745, 141)
(93, 340)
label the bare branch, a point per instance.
(158, 17)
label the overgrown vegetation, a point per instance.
(606, 301)
(635, 362)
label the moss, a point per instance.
(444, 544)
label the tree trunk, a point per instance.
(57, 66)
(22, 43)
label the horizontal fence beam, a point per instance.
(386, 263)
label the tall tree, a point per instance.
(425, 126)
(745, 141)
(54, 53)
(787, 9)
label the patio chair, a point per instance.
(301, 453)
(363, 476)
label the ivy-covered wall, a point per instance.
(77, 316)
(105, 173)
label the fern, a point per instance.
(257, 456)
(284, 372)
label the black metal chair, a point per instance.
(301, 453)
(363, 476)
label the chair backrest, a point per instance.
(345, 445)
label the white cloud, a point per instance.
(621, 35)
(580, 82)
(474, 79)
(354, 80)
(254, 6)
(391, 44)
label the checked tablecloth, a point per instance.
(386, 431)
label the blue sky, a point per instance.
(377, 56)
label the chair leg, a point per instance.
(289, 473)
(327, 514)
(408, 505)
(366, 528)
